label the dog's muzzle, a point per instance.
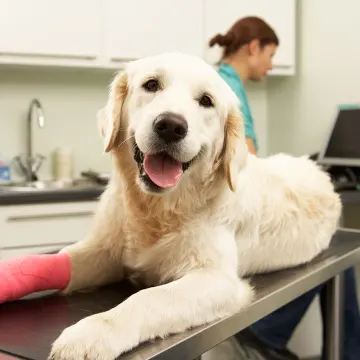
(162, 168)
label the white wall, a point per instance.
(301, 108)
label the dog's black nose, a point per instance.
(170, 127)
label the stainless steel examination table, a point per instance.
(29, 326)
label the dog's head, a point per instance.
(181, 119)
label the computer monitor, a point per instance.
(342, 145)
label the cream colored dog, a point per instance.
(188, 211)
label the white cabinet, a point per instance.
(107, 33)
(45, 30)
(139, 28)
(26, 229)
(280, 14)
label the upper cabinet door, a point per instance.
(139, 28)
(280, 14)
(49, 28)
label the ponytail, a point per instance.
(243, 32)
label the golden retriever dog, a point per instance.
(188, 211)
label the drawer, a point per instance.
(13, 253)
(49, 224)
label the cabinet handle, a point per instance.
(124, 60)
(281, 66)
(50, 56)
(48, 216)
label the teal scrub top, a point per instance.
(231, 77)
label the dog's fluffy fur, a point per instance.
(231, 213)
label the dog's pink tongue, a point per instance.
(163, 170)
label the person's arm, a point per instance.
(251, 145)
(249, 132)
(245, 110)
(248, 124)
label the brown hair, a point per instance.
(243, 32)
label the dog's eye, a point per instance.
(206, 101)
(151, 85)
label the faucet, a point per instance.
(35, 103)
(32, 165)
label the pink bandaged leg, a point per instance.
(32, 273)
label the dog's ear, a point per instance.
(109, 118)
(235, 149)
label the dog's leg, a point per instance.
(96, 260)
(199, 297)
(91, 266)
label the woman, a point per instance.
(248, 49)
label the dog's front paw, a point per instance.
(92, 338)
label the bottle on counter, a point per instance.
(5, 173)
(63, 164)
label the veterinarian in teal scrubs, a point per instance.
(228, 73)
(248, 48)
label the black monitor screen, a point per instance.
(344, 141)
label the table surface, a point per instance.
(29, 326)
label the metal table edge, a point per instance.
(201, 339)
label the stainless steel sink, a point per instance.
(49, 185)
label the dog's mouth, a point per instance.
(160, 168)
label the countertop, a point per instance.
(50, 196)
(29, 326)
(93, 193)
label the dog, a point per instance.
(188, 212)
